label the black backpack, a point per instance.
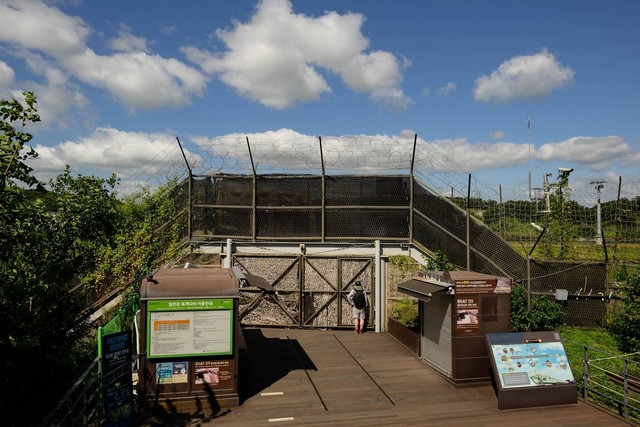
(359, 301)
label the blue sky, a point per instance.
(117, 81)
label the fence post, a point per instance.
(585, 375)
(625, 412)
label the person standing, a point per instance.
(360, 306)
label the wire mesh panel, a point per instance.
(289, 191)
(231, 190)
(296, 224)
(435, 239)
(367, 224)
(213, 222)
(494, 248)
(366, 191)
(579, 279)
(585, 311)
(445, 214)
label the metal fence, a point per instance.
(611, 381)
(403, 189)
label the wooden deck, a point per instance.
(291, 377)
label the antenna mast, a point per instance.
(529, 120)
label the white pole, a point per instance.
(378, 286)
(227, 260)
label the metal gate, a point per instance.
(311, 291)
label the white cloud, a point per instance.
(523, 77)
(447, 89)
(476, 157)
(35, 25)
(7, 76)
(595, 152)
(134, 77)
(140, 80)
(111, 150)
(58, 99)
(127, 42)
(277, 57)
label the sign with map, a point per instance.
(531, 364)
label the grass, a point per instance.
(584, 251)
(603, 355)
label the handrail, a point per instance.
(83, 399)
(607, 383)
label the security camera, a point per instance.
(566, 170)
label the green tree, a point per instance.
(13, 141)
(623, 321)
(560, 229)
(14, 170)
(439, 262)
(545, 314)
(86, 214)
(45, 242)
(148, 235)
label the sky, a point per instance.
(503, 89)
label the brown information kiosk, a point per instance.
(458, 308)
(190, 337)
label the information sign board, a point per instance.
(186, 328)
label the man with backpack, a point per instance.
(360, 303)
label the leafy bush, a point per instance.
(545, 314)
(623, 321)
(405, 311)
(405, 264)
(440, 262)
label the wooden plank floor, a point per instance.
(291, 377)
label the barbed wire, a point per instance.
(291, 153)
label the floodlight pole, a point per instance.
(254, 195)
(413, 159)
(190, 187)
(322, 225)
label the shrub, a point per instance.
(439, 262)
(623, 321)
(405, 311)
(545, 314)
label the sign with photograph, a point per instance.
(184, 328)
(213, 374)
(467, 311)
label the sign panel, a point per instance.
(116, 380)
(184, 328)
(500, 285)
(467, 311)
(531, 364)
(217, 374)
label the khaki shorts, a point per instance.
(359, 313)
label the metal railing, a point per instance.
(608, 380)
(81, 403)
